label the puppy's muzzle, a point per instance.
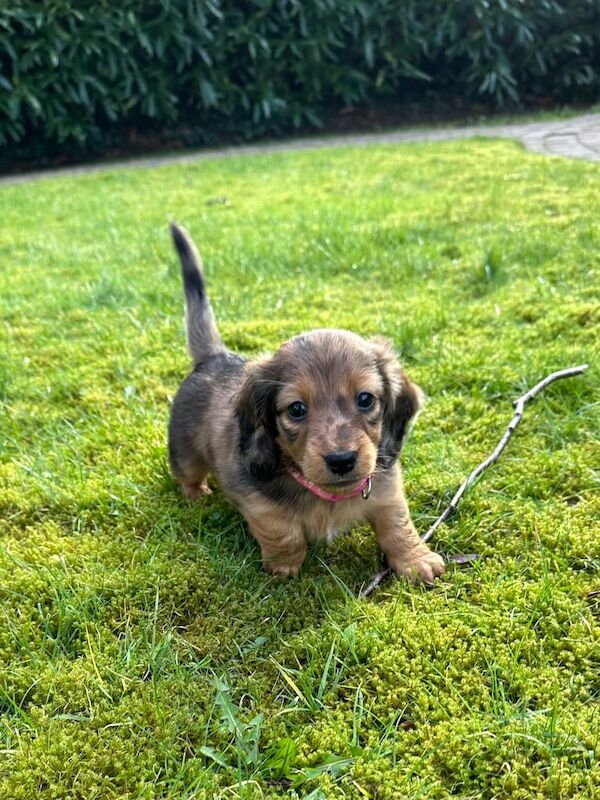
(341, 463)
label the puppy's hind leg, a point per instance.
(191, 476)
(194, 491)
(187, 466)
(188, 435)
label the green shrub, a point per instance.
(73, 73)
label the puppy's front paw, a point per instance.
(420, 564)
(282, 570)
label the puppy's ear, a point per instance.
(402, 401)
(255, 409)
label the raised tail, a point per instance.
(202, 335)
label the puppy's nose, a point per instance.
(341, 463)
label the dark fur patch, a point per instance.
(192, 277)
(342, 405)
(256, 413)
(397, 414)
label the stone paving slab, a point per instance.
(577, 137)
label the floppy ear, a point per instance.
(402, 401)
(255, 409)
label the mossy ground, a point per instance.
(145, 654)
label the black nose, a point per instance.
(341, 463)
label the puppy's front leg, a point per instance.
(407, 555)
(282, 543)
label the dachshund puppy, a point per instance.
(304, 442)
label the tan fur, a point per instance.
(232, 419)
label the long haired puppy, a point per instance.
(303, 442)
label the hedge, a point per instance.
(73, 72)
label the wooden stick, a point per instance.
(491, 459)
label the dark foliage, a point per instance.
(73, 73)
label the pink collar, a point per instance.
(363, 488)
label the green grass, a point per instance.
(145, 654)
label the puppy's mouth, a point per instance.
(340, 483)
(329, 482)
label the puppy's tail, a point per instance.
(202, 335)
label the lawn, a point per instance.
(145, 654)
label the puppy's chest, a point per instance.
(325, 520)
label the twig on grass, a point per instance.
(491, 459)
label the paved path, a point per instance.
(577, 137)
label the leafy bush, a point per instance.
(72, 73)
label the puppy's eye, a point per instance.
(297, 410)
(365, 401)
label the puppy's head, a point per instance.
(329, 404)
